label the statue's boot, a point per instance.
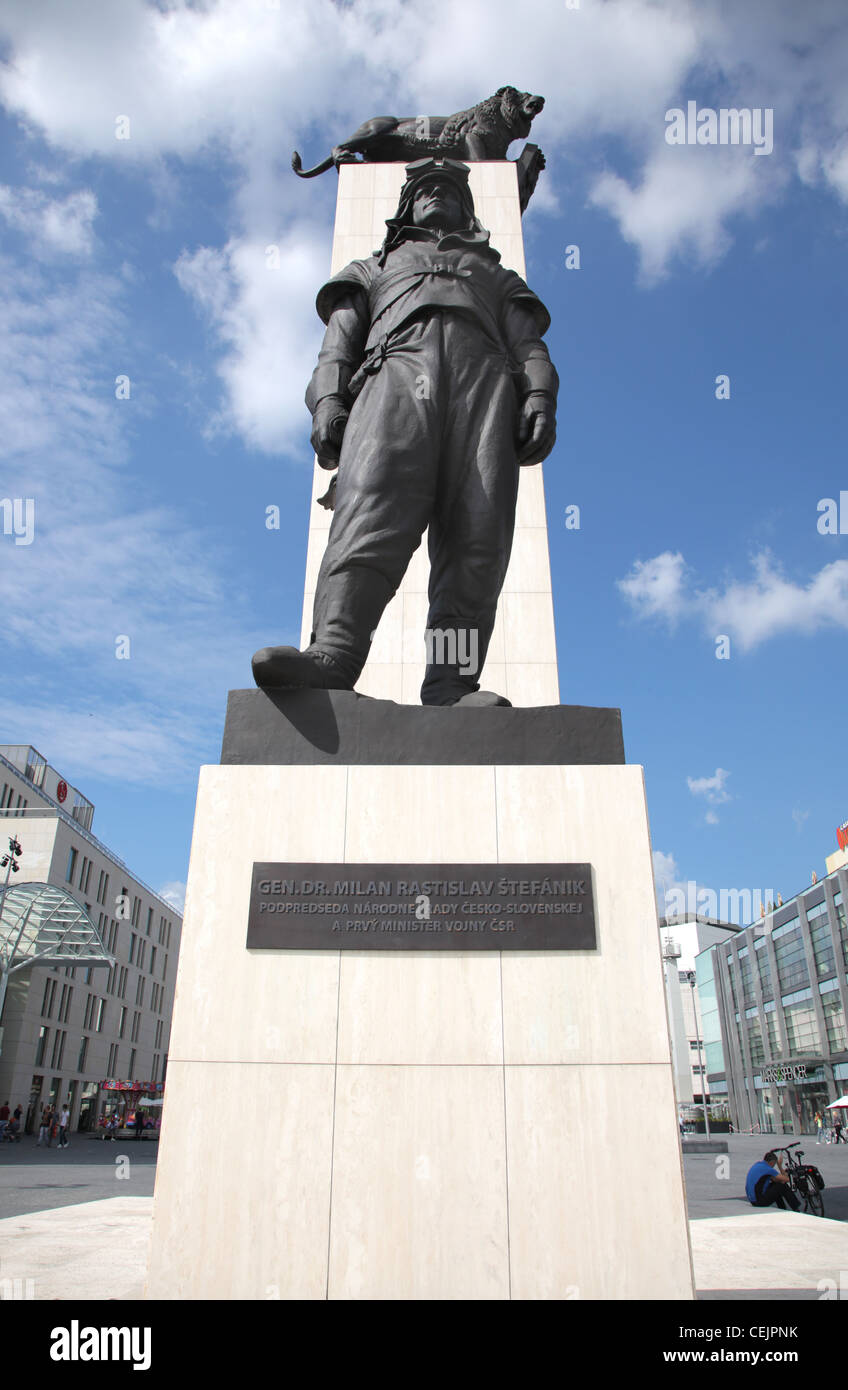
(286, 668)
(482, 699)
(348, 606)
(452, 682)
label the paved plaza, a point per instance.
(75, 1223)
(35, 1178)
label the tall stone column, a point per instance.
(421, 1123)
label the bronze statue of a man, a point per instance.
(432, 387)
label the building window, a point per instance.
(83, 1053)
(43, 1035)
(132, 948)
(834, 1020)
(122, 1020)
(136, 1022)
(791, 963)
(71, 869)
(132, 1066)
(149, 919)
(100, 1015)
(47, 1001)
(58, 1049)
(113, 1062)
(152, 958)
(802, 1032)
(158, 1042)
(65, 1003)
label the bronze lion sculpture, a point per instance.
(483, 132)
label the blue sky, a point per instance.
(146, 257)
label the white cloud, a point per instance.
(682, 205)
(768, 605)
(242, 78)
(134, 743)
(104, 561)
(265, 320)
(655, 587)
(174, 893)
(52, 224)
(666, 877)
(674, 894)
(771, 605)
(713, 788)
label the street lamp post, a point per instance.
(9, 862)
(702, 1069)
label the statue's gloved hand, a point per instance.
(536, 427)
(328, 427)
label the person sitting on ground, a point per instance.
(767, 1184)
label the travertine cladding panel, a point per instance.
(418, 1125)
(525, 670)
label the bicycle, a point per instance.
(805, 1180)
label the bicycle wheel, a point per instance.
(813, 1201)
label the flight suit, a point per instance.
(433, 347)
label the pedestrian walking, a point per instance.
(64, 1121)
(819, 1122)
(837, 1129)
(44, 1126)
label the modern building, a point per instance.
(95, 1037)
(839, 858)
(774, 1000)
(683, 937)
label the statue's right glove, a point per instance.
(328, 427)
(536, 427)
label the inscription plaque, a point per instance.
(429, 907)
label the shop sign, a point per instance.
(132, 1086)
(794, 1073)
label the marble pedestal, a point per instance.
(413, 1125)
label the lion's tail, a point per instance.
(297, 165)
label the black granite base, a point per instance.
(339, 726)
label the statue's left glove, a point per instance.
(536, 427)
(328, 427)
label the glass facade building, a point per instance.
(774, 1001)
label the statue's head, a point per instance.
(437, 202)
(435, 195)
